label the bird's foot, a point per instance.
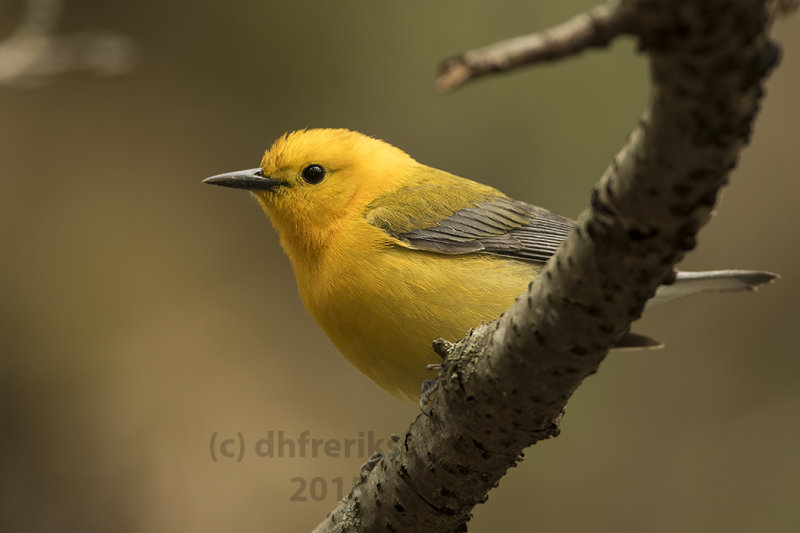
(374, 459)
(442, 347)
(429, 388)
(367, 467)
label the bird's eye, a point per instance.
(313, 174)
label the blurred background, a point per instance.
(142, 312)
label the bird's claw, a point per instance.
(429, 387)
(367, 467)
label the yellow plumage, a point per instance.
(381, 303)
(390, 254)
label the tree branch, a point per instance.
(505, 385)
(593, 29)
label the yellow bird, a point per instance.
(390, 254)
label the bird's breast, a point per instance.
(383, 305)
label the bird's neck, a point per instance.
(305, 244)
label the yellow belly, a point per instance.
(383, 312)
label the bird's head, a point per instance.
(311, 182)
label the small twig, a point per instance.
(592, 29)
(32, 54)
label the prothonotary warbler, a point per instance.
(390, 254)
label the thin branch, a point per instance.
(32, 54)
(595, 28)
(505, 385)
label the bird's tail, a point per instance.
(688, 283)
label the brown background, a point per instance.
(141, 311)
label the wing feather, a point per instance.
(492, 224)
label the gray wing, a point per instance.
(500, 226)
(496, 225)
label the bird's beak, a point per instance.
(252, 180)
